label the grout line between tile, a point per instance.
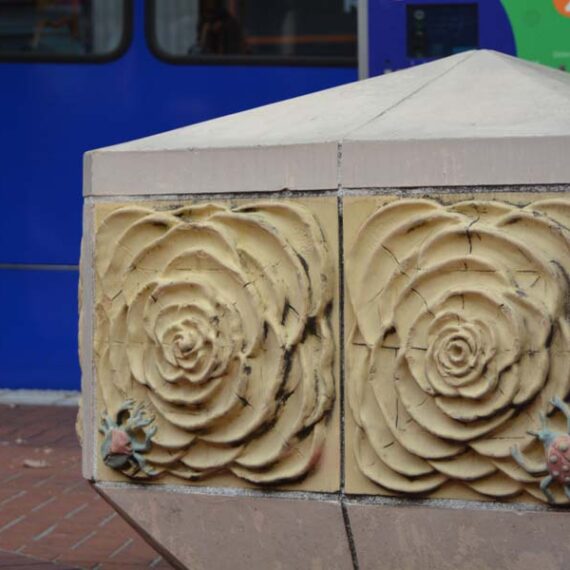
(447, 190)
(342, 367)
(108, 519)
(11, 478)
(342, 496)
(121, 548)
(76, 511)
(349, 535)
(237, 492)
(450, 504)
(211, 197)
(340, 206)
(83, 540)
(45, 532)
(42, 482)
(13, 497)
(336, 497)
(12, 523)
(410, 95)
(43, 504)
(339, 168)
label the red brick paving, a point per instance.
(51, 514)
(11, 560)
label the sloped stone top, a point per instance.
(479, 117)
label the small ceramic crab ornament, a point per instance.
(557, 449)
(126, 439)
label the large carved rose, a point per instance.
(217, 319)
(461, 338)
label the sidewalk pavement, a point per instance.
(49, 516)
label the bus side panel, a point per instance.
(38, 344)
(52, 114)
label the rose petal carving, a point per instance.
(217, 318)
(460, 340)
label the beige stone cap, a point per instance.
(479, 117)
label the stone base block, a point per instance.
(433, 538)
(212, 531)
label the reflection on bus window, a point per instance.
(271, 28)
(61, 27)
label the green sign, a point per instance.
(542, 30)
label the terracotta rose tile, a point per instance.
(457, 335)
(216, 343)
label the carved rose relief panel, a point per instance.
(458, 338)
(214, 344)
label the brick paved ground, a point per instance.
(51, 514)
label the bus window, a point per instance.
(59, 30)
(439, 30)
(288, 31)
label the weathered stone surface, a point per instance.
(206, 532)
(458, 340)
(413, 538)
(477, 117)
(218, 320)
(290, 145)
(488, 119)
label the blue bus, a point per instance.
(76, 75)
(81, 74)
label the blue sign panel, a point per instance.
(403, 33)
